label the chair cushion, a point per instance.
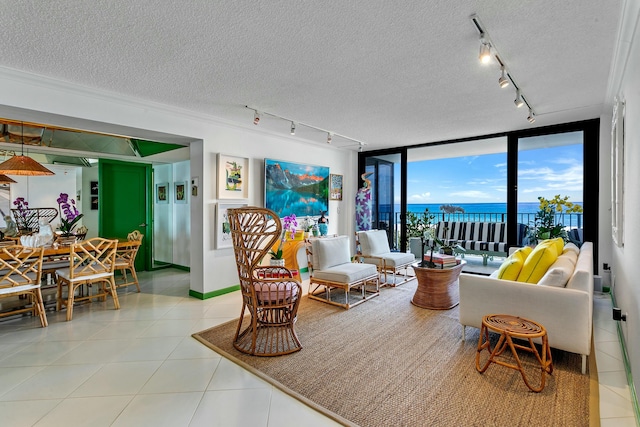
(18, 289)
(275, 291)
(64, 273)
(511, 267)
(538, 262)
(392, 259)
(346, 273)
(330, 251)
(373, 242)
(560, 271)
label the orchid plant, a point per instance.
(289, 224)
(24, 215)
(69, 215)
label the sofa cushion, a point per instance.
(560, 271)
(511, 267)
(571, 247)
(373, 242)
(391, 259)
(330, 251)
(538, 262)
(346, 273)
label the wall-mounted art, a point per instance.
(223, 228)
(335, 187)
(94, 188)
(162, 193)
(94, 203)
(296, 188)
(181, 192)
(233, 174)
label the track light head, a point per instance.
(293, 128)
(360, 147)
(518, 101)
(256, 117)
(328, 137)
(503, 81)
(485, 51)
(532, 116)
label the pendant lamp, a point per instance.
(4, 179)
(23, 165)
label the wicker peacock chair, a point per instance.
(270, 295)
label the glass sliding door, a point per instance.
(550, 167)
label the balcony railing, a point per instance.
(385, 222)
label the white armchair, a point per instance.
(331, 268)
(374, 249)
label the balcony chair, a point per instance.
(126, 259)
(90, 262)
(20, 273)
(270, 295)
(373, 248)
(331, 268)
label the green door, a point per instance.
(123, 204)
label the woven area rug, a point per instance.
(389, 363)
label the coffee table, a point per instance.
(510, 327)
(437, 287)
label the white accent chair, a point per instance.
(331, 268)
(374, 249)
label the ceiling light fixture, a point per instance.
(503, 81)
(23, 165)
(532, 116)
(296, 124)
(4, 179)
(487, 48)
(518, 101)
(256, 117)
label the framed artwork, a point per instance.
(94, 188)
(223, 229)
(295, 188)
(233, 177)
(162, 193)
(617, 172)
(335, 187)
(94, 203)
(181, 192)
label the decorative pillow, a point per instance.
(560, 271)
(571, 247)
(330, 251)
(539, 261)
(511, 267)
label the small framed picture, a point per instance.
(94, 188)
(233, 174)
(162, 193)
(181, 192)
(94, 203)
(335, 187)
(223, 229)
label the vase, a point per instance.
(276, 262)
(323, 229)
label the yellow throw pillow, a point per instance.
(510, 268)
(538, 262)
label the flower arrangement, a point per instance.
(24, 215)
(544, 225)
(289, 224)
(69, 215)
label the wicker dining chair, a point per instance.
(270, 295)
(90, 262)
(126, 259)
(20, 273)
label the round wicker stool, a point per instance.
(514, 327)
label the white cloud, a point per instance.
(419, 198)
(474, 194)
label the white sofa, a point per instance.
(566, 313)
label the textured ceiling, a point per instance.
(385, 73)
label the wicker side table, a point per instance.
(514, 327)
(437, 288)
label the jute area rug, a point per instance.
(389, 363)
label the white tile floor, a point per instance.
(139, 366)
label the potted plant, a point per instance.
(69, 215)
(289, 224)
(544, 225)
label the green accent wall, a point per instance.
(148, 148)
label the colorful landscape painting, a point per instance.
(295, 188)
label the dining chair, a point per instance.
(90, 262)
(126, 259)
(20, 274)
(270, 295)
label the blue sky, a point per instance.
(483, 179)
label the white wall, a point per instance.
(33, 98)
(181, 216)
(162, 216)
(624, 260)
(90, 217)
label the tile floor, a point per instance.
(139, 366)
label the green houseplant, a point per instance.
(544, 225)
